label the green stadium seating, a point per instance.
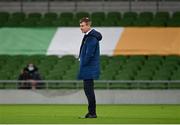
(162, 15)
(15, 19)
(114, 68)
(50, 16)
(130, 15)
(160, 19)
(146, 16)
(44, 23)
(141, 22)
(108, 23)
(114, 15)
(32, 20)
(112, 19)
(4, 16)
(97, 18)
(126, 22)
(144, 19)
(60, 22)
(80, 15)
(104, 61)
(158, 23)
(13, 23)
(20, 16)
(128, 19)
(74, 23)
(51, 19)
(174, 22)
(64, 19)
(67, 16)
(29, 23)
(176, 15)
(35, 16)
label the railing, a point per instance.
(101, 84)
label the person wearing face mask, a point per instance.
(30, 72)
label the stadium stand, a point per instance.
(113, 68)
(135, 67)
(52, 19)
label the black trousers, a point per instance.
(89, 91)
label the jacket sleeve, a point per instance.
(90, 50)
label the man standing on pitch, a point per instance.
(89, 63)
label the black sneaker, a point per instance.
(90, 116)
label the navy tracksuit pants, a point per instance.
(89, 92)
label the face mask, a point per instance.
(30, 68)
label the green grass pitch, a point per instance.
(49, 114)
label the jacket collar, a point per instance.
(88, 32)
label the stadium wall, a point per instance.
(78, 97)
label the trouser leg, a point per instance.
(89, 91)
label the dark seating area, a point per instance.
(102, 19)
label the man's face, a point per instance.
(84, 27)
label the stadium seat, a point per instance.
(148, 16)
(13, 23)
(20, 16)
(44, 23)
(67, 16)
(64, 19)
(114, 15)
(29, 23)
(34, 16)
(141, 23)
(4, 16)
(112, 19)
(160, 19)
(130, 15)
(126, 22)
(162, 16)
(174, 22)
(97, 18)
(176, 16)
(108, 23)
(31, 20)
(15, 19)
(158, 23)
(50, 16)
